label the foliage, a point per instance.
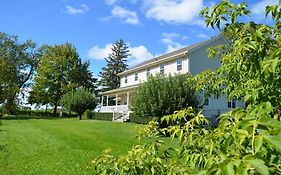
(162, 95)
(60, 71)
(18, 61)
(102, 116)
(79, 101)
(251, 66)
(246, 141)
(140, 120)
(116, 63)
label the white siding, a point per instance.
(170, 67)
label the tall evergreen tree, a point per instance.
(116, 63)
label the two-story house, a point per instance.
(192, 59)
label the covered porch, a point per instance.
(117, 100)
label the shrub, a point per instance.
(162, 95)
(87, 115)
(140, 120)
(79, 101)
(102, 116)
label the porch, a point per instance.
(118, 101)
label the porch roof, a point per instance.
(120, 90)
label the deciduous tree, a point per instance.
(18, 61)
(60, 71)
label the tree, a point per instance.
(18, 61)
(116, 63)
(251, 66)
(246, 141)
(79, 101)
(59, 72)
(163, 95)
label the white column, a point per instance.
(102, 100)
(116, 99)
(106, 100)
(128, 99)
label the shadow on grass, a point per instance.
(27, 117)
(2, 147)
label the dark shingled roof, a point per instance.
(182, 50)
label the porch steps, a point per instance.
(120, 117)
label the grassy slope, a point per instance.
(59, 146)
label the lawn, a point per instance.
(59, 146)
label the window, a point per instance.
(162, 71)
(126, 79)
(231, 104)
(206, 102)
(147, 72)
(179, 64)
(136, 76)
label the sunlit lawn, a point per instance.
(59, 146)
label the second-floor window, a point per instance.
(147, 72)
(162, 70)
(179, 64)
(126, 79)
(136, 77)
(231, 104)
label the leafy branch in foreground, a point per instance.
(245, 142)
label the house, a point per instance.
(192, 59)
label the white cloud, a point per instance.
(125, 15)
(80, 10)
(168, 40)
(99, 53)
(202, 35)
(175, 11)
(110, 2)
(258, 9)
(138, 53)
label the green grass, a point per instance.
(59, 146)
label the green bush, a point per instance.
(87, 115)
(140, 120)
(102, 116)
(79, 101)
(163, 95)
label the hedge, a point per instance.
(139, 120)
(97, 115)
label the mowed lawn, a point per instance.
(59, 146)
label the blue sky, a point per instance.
(149, 27)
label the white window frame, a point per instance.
(231, 104)
(136, 76)
(162, 69)
(147, 72)
(179, 64)
(126, 79)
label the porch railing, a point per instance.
(118, 108)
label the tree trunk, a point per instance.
(55, 109)
(80, 117)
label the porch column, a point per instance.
(116, 101)
(128, 99)
(106, 100)
(102, 100)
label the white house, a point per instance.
(192, 59)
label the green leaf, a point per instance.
(258, 143)
(259, 166)
(274, 140)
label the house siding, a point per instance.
(170, 67)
